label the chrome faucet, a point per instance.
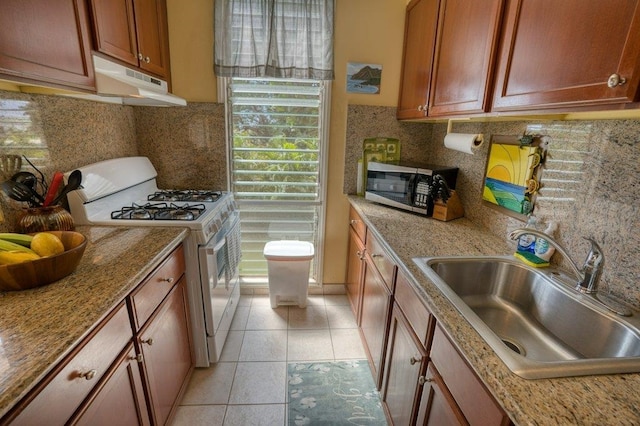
(589, 275)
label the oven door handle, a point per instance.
(219, 246)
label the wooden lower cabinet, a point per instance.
(374, 316)
(166, 350)
(122, 374)
(405, 362)
(437, 406)
(118, 400)
(355, 271)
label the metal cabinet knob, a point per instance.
(140, 56)
(360, 255)
(374, 255)
(354, 221)
(415, 360)
(420, 108)
(615, 80)
(88, 375)
(146, 59)
(422, 380)
(169, 280)
(138, 358)
(148, 341)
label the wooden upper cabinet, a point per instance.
(465, 55)
(563, 53)
(419, 41)
(46, 41)
(133, 31)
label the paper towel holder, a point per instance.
(479, 137)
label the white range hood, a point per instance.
(116, 83)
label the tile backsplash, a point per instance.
(590, 183)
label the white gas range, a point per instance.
(124, 192)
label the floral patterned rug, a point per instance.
(333, 393)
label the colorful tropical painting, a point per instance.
(510, 180)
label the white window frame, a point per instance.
(325, 108)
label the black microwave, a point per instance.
(408, 186)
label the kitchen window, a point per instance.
(277, 146)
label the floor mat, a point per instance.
(333, 393)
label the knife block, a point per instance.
(450, 210)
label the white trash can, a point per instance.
(288, 263)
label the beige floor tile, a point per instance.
(341, 316)
(255, 415)
(210, 385)
(259, 383)
(347, 344)
(336, 299)
(264, 345)
(264, 318)
(261, 300)
(240, 318)
(245, 300)
(199, 415)
(232, 346)
(311, 317)
(309, 345)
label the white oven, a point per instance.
(218, 262)
(123, 191)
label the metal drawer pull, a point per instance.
(374, 255)
(169, 280)
(414, 360)
(422, 380)
(138, 358)
(148, 341)
(88, 375)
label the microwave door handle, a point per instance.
(413, 181)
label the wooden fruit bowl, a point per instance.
(43, 271)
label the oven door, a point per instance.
(213, 278)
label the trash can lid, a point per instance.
(288, 249)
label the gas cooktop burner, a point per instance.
(159, 211)
(186, 195)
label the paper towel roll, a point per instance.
(463, 142)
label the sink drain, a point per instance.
(514, 346)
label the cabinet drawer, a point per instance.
(357, 224)
(381, 260)
(146, 298)
(417, 314)
(75, 377)
(474, 400)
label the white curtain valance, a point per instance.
(274, 38)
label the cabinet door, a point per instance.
(437, 406)
(404, 363)
(46, 41)
(151, 31)
(166, 347)
(562, 53)
(115, 29)
(354, 272)
(374, 318)
(417, 58)
(465, 56)
(119, 399)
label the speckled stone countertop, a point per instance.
(39, 327)
(586, 400)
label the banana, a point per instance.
(12, 237)
(10, 257)
(9, 246)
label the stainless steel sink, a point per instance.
(533, 318)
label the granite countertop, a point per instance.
(586, 400)
(39, 327)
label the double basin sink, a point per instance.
(534, 319)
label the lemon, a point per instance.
(46, 244)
